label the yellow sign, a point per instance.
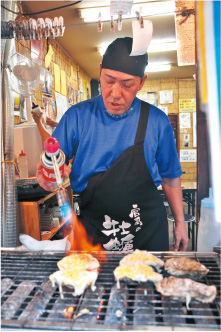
(71, 76)
(57, 78)
(63, 83)
(187, 105)
(49, 56)
(84, 90)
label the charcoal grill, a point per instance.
(30, 302)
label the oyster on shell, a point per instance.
(84, 261)
(186, 289)
(185, 267)
(142, 256)
(74, 278)
(77, 271)
(136, 272)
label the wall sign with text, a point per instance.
(187, 105)
(188, 156)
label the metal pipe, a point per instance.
(9, 236)
(56, 171)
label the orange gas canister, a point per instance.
(51, 147)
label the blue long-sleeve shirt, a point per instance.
(96, 138)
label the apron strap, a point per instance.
(142, 126)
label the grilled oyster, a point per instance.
(77, 271)
(137, 272)
(84, 261)
(144, 257)
(185, 267)
(186, 289)
(77, 278)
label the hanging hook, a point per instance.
(33, 28)
(112, 24)
(47, 26)
(141, 18)
(39, 34)
(119, 23)
(61, 25)
(26, 30)
(99, 28)
(42, 22)
(56, 30)
(19, 30)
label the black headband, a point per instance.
(117, 57)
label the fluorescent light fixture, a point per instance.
(155, 67)
(91, 14)
(162, 47)
(148, 9)
(154, 47)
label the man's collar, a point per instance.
(120, 116)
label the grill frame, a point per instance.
(31, 266)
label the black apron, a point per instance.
(121, 208)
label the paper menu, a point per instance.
(141, 37)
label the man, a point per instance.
(123, 149)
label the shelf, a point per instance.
(29, 215)
(53, 231)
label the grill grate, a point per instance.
(30, 302)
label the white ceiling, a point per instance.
(81, 41)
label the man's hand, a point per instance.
(181, 238)
(36, 117)
(45, 184)
(173, 191)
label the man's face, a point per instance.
(119, 90)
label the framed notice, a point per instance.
(152, 98)
(166, 97)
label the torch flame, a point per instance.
(78, 236)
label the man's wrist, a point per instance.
(180, 221)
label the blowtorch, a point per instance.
(52, 160)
